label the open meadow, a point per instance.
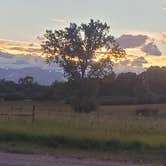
(113, 132)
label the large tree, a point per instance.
(84, 52)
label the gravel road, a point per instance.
(7, 159)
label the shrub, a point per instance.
(83, 95)
(83, 104)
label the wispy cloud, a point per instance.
(57, 20)
(19, 48)
(133, 63)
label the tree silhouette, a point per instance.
(84, 52)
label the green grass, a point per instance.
(111, 132)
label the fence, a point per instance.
(19, 111)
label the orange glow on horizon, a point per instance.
(20, 48)
(34, 49)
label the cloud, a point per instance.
(151, 49)
(5, 56)
(164, 8)
(135, 51)
(156, 37)
(21, 62)
(19, 48)
(26, 49)
(164, 37)
(18, 54)
(131, 63)
(124, 67)
(131, 41)
(140, 44)
(139, 62)
(155, 61)
(58, 20)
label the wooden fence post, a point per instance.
(33, 113)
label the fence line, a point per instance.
(18, 112)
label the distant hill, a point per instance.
(41, 76)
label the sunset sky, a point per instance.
(141, 22)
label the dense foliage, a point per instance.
(75, 49)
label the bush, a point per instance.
(83, 95)
(83, 104)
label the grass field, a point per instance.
(113, 132)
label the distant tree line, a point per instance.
(130, 88)
(125, 88)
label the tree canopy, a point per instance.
(84, 51)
